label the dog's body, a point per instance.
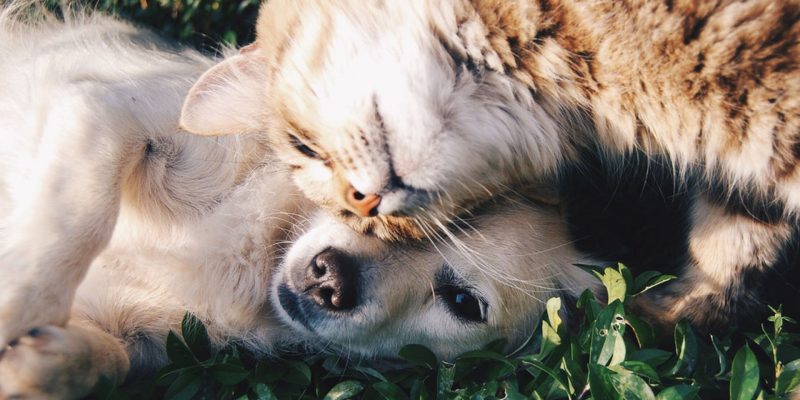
(95, 174)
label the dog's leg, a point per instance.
(64, 208)
(61, 363)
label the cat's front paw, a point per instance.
(58, 363)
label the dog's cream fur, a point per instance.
(87, 123)
(95, 174)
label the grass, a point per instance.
(609, 354)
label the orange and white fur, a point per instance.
(99, 188)
(400, 116)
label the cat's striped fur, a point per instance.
(437, 106)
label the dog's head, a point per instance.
(489, 278)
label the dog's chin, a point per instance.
(288, 306)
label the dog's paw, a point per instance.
(50, 363)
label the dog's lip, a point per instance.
(292, 306)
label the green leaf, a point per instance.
(486, 355)
(511, 390)
(419, 355)
(744, 374)
(178, 352)
(641, 369)
(607, 344)
(298, 373)
(184, 387)
(486, 391)
(196, 336)
(626, 274)
(573, 363)
(370, 372)
(588, 304)
(229, 37)
(789, 378)
(541, 367)
(344, 390)
(686, 350)
(678, 392)
(553, 306)
(615, 285)
(550, 340)
(419, 391)
(641, 280)
(653, 357)
(595, 270)
(645, 336)
(444, 380)
(389, 390)
(263, 392)
(648, 280)
(777, 318)
(229, 374)
(722, 357)
(268, 372)
(631, 386)
(606, 383)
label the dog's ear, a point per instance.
(229, 98)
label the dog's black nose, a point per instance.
(331, 280)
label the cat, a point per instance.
(400, 117)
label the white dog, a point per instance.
(95, 173)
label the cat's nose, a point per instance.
(331, 280)
(365, 205)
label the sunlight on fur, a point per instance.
(106, 202)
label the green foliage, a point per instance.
(610, 354)
(201, 23)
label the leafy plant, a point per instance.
(609, 354)
(201, 23)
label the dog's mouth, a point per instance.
(294, 307)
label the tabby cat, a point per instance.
(401, 116)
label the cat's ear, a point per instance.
(229, 98)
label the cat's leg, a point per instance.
(723, 285)
(61, 363)
(64, 206)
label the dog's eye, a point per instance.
(462, 303)
(302, 147)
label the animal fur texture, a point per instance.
(431, 108)
(101, 192)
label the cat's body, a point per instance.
(399, 116)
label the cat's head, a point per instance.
(389, 114)
(357, 295)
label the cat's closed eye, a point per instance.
(302, 147)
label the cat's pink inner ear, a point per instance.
(229, 98)
(249, 48)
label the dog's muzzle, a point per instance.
(329, 286)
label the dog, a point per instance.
(115, 223)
